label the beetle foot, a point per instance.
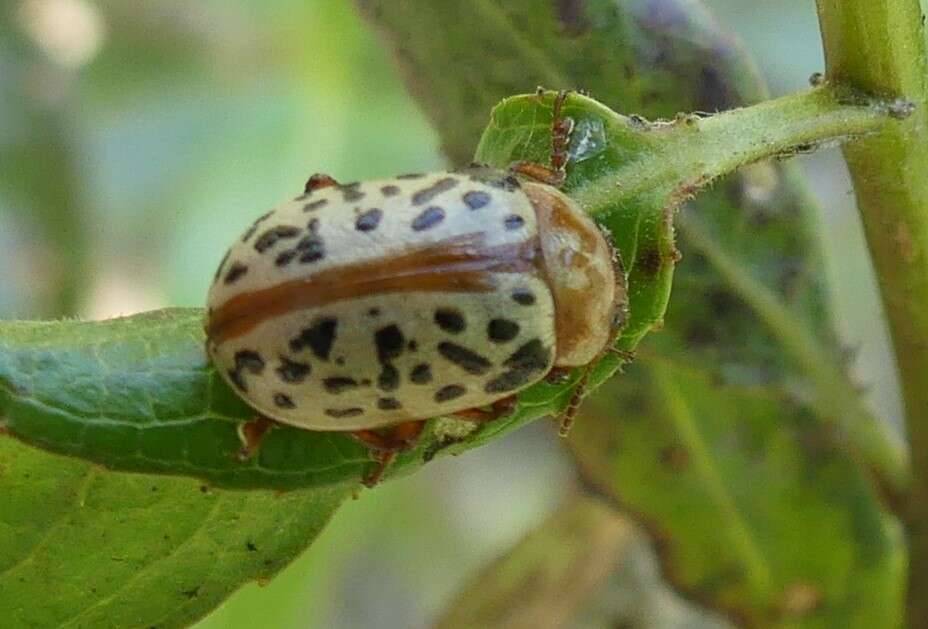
(251, 433)
(499, 408)
(385, 445)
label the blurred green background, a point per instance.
(138, 139)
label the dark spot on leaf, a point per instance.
(572, 17)
(649, 262)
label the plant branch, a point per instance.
(716, 145)
(698, 150)
(879, 46)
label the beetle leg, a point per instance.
(558, 375)
(499, 408)
(385, 445)
(624, 354)
(317, 181)
(573, 405)
(561, 128)
(251, 433)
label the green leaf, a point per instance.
(82, 547)
(759, 512)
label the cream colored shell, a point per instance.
(389, 354)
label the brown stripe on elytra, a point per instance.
(463, 264)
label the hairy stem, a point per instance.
(879, 46)
(696, 151)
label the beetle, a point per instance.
(370, 307)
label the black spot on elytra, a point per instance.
(222, 263)
(245, 360)
(270, 237)
(449, 392)
(350, 192)
(339, 384)
(254, 226)
(312, 206)
(285, 257)
(421, 374)
(428, 218)
(282, 400)
(388, 404)
(389, 378)
(291, 371)
(513, 221)
(369, 220)
(427, 194)
(412, 346)
(311, 248)
(389, 341)
(390, 191)
(470, 361)
(502, 330)
(319, 337)
(235, 272)
(529, 359)
(493, 178)
(476, 199)
(450, 320)
(339, 413)
(523, 297)
(374, 312)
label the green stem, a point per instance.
(699, 150)
(879, 46)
